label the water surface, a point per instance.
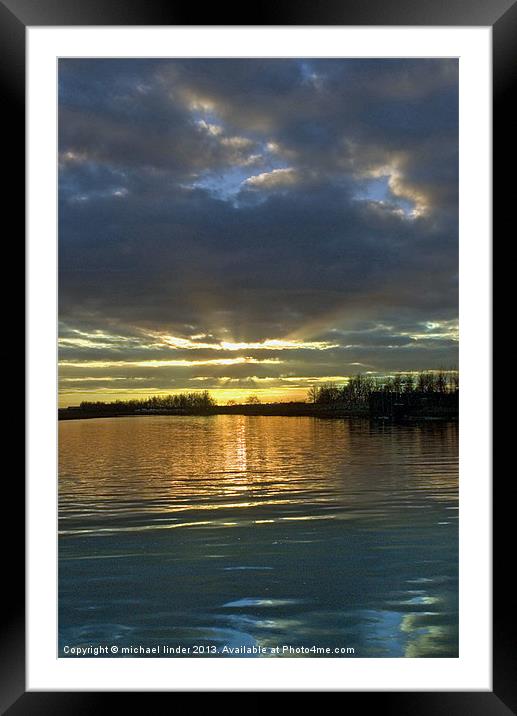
(259, 531)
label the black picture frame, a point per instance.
(501, 15)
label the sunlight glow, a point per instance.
(167, 363)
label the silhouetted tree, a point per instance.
(426, 382)
(397, 383)
(408, 383)
(188, 401)
(313, 394)
(328, 393)
(357, 391)
(441, 382)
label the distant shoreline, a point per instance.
(271, 409)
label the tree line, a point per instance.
(201, 400)
(359, 388)
(355, 393)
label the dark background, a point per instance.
(15, 15)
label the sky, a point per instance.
(254, 226)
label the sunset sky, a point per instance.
(254, 226)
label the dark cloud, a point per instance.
(308, 200)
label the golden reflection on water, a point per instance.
(216, 458)
(336, 526)
(162, 466)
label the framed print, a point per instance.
(258, 262)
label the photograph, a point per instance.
(258, 373)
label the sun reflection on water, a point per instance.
(342, 531)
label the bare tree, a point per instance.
(329, 393)
(441, 381)
(313, 394)
(408, 383)
(397, 383)
(426, 382)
